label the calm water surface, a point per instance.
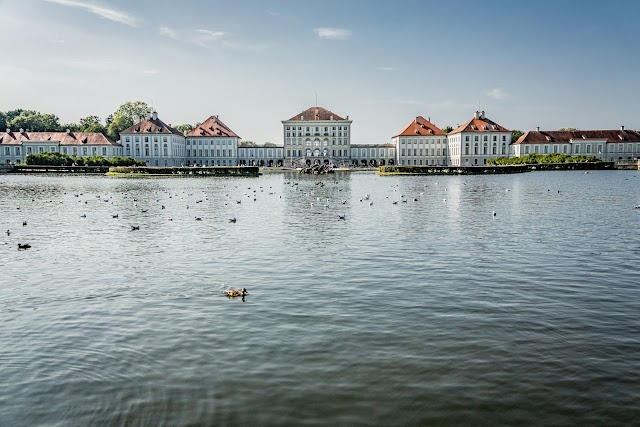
(432, 311)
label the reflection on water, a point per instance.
(430, 310)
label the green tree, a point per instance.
(91, 124)
(247, 144)
(515, 134)
(126, 116)
(3, 121)
(185, 127)
(73, 127)
(33, 121)
(567, 129)
(447, 129)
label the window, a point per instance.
(485, 138)
(504, 138)
(466, 149)
(165, 150)
(104, 151)
(475, 148)
(146, 150)
(466, 138)
(495, 138)
(577, 148)
(526, 149)
(475, 138)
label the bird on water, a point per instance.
(23, 246)
(235, 292)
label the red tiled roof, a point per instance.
(72, 138)
(421, 126)
(316, 113)
(480, 124)
(556, 136)
(154, 126)
(213, 127)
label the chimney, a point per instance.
(301, 117)
(621, 127)
(416, 120)
(476, 114)
(347, 117)
(429, 119)
(537, 128)
(154, 115)
(330, 117)
(482, 114)
(8, 130)
(21, 130)
(68, 131)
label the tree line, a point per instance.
(124, 117)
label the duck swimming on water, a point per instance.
(235, 292)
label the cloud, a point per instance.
(169, 32)
(496, 93)
(152, 71)
(332, 33)
(386, 69)
(102, 11)
(205, 37)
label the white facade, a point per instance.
(373, 155)
(261, 155)
(212, 143)
(16, 146)
(477, 141)
(317, 135)
(154, 142)
(421, 150)
(606, 145)
(212, 151)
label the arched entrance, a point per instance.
(381, 162)
(392, 162)
(270, 163)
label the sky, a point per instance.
(254, 63)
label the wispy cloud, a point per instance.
(168, 32)
(387, 69)
(332, 33)
(496, 93)
(204, 38)
(105, 12)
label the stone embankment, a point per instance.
(486, 169)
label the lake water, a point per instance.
(432, 311)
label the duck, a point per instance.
(23, 246)
(235, 292)
(24, 223)
(115, 216)
(135, 227)
(8, 232)
(232, 219)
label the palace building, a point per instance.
(421, 143)
(607, 145)
(15, 146)
(212, 143)
(154, 142)
(317, 135)
(477, 141)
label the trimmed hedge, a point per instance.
(59, 159)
